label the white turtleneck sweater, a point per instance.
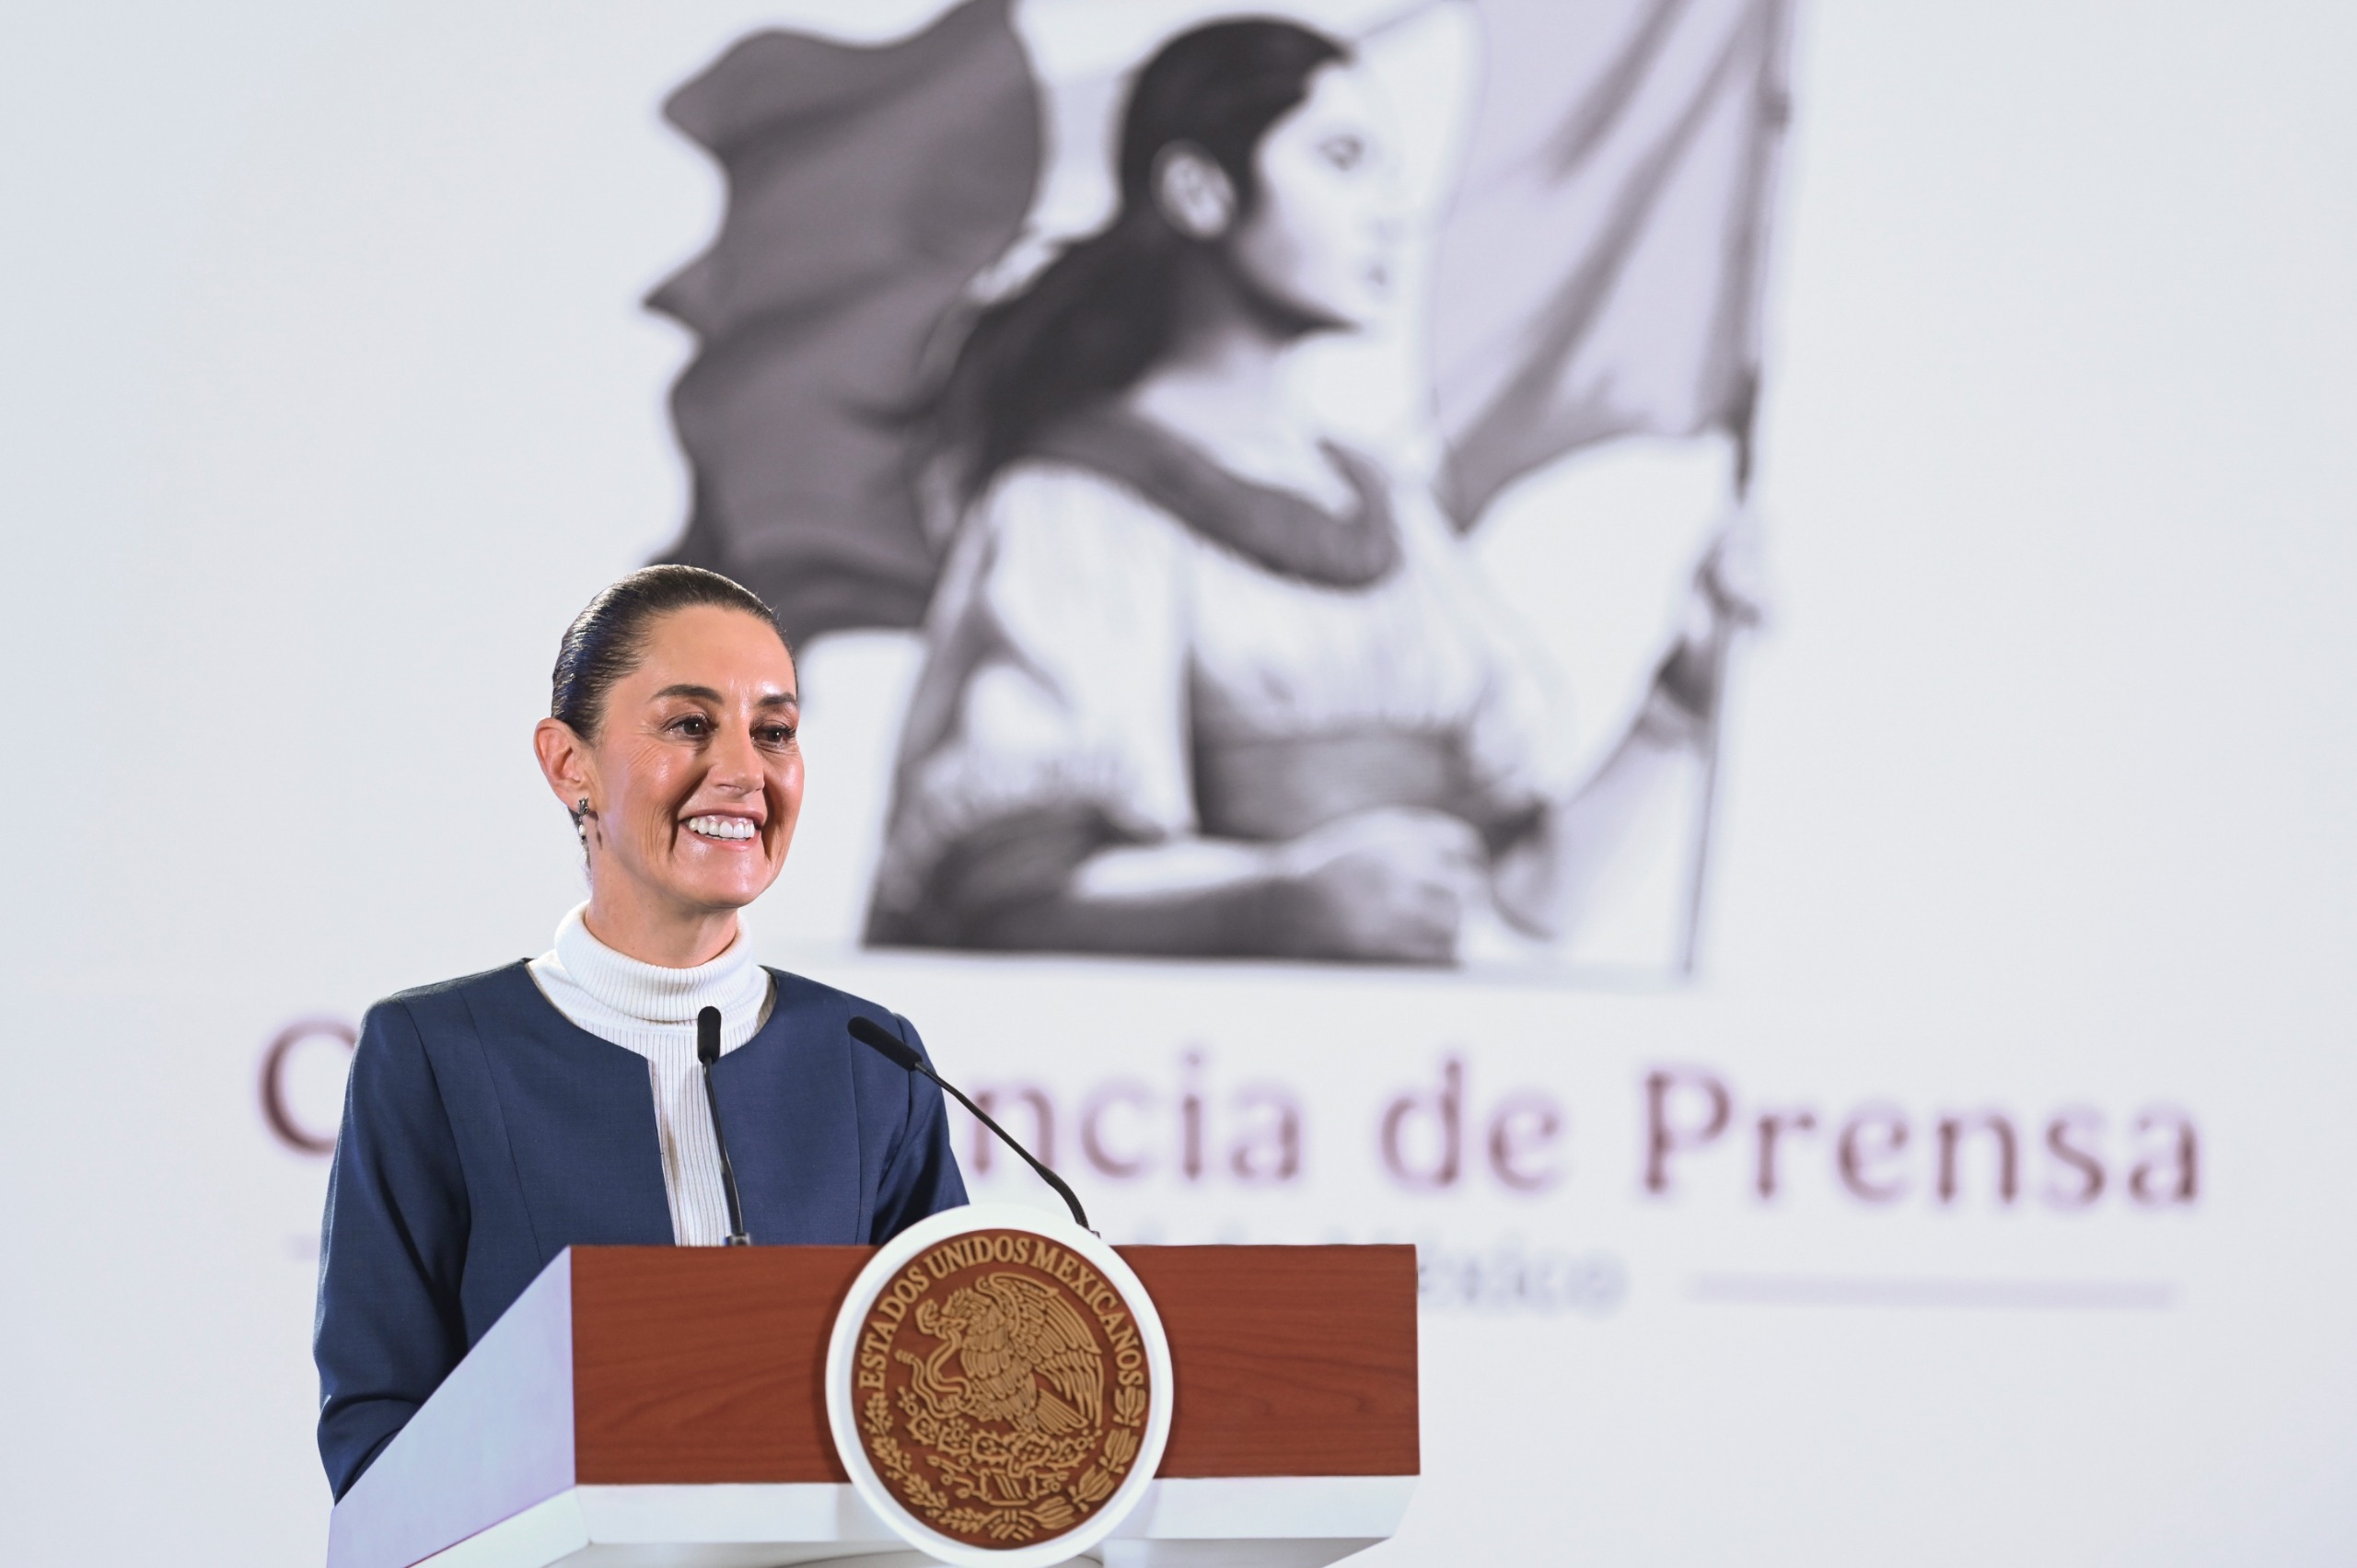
(652, 1010)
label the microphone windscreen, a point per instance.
(884, 1042)
(708, 1035)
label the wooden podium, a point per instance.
(653, 1405)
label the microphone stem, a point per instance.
(1079, 1215)
(736, 1237)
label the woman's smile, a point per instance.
(724, 829)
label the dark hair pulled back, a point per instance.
(608, 638)
(1099, 315)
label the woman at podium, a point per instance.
(493, 1120)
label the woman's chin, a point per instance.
(725, 887)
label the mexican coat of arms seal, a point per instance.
(999, 1386)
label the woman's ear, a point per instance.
(1192, 192)
(565, 763)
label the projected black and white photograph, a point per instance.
(1306, 454)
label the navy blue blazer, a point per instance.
(483, 1132)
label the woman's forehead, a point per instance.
(714, 645)
(1341, 97)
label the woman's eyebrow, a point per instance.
(706, 694)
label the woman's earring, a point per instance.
(581, 820)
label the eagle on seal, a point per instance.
(1024, 1357)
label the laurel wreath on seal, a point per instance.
(972, 1463)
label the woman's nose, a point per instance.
(737, 765)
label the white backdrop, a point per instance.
(329, 402)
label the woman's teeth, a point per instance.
(721, 827)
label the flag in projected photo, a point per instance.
(1209, 669)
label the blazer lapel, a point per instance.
(792, 1118)
(580, 1121)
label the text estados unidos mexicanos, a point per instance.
(895, 1299)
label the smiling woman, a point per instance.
(671, 739)
(494, 1121)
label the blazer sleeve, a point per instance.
(392, 1247)
(921, 1175)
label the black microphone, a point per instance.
(708, 1052)
(903, 1055)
